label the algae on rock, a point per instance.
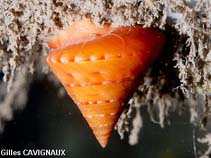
(174, 81)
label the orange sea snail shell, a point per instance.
(99, 68)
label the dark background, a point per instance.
(50, 122)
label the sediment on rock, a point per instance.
(180, 78)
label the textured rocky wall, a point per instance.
(180, 78)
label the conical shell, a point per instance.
(100, 74)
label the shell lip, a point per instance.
(80, 31)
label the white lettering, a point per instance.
(10, 152)
(44, 152)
